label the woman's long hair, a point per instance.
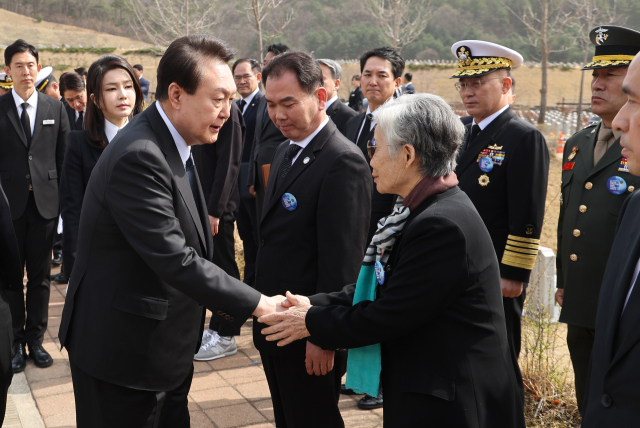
(94, 120)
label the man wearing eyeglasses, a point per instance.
(503, 166)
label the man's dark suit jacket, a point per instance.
(144, 85)
(41, 163)
(10, 280)
(250, 118)
(133, 314)
(319, 246)
(439, 320)
(340, 114)
(71, 114)
(355, 99)
(612, 395)
(79, 160)
(218, 166)
(381, 205)
(512, 202)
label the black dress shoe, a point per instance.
(19, 358)
(368, 402)
(60, 278)
(346, 391)
(57, 260)
(40, 357)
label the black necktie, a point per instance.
(26, 123)
(475, 130)
(291, 153)
(364, 134)
(79, 121)
(191, 174)
(241, 106)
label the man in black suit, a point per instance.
(34, 129)
(503, 167)
(219, 166)
(265, 141)
(131, 339)
(144, 83)
(336, 109)
(10, 280)
(247, 75)
(312, 233)
(612, 390)
(408, 85)
(73, 90)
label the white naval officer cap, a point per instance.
(477, 58)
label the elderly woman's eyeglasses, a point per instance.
(371, 148)
(474, 86)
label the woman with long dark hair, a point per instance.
(115, 97)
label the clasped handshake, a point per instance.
(285, 317)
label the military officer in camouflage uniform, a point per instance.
(595, 183)
(503, 167)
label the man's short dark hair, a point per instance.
(356, 77)
(71, 80)
(408, 76)
(278, 48)
(306, 69)
(255, 65)
(82, 71)
(388, 53)
(138, 67)
(182, 63)
(19, 46)
(50, 81)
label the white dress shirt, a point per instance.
(84, 113)
(181, 144)
(32, 109)
(485, 122)
(248, 99)
(304, 143)
(331, 101)
(111, 130)
(373, 123)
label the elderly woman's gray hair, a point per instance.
(429, 124)
(336, 69)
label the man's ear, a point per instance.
(175, 96)
(398, 82)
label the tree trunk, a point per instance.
(545, 60)
(579, 111)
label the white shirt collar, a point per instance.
(32, 101)
(111, 130)
(84, 112)
(484, 123)
(250, 97)
(304, 143)
(331, 101)
(181, 144)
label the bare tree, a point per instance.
(166, 20)
(257, 12)
(402, 21)
(548, 24)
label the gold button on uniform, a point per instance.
(631, 189)
(588, 185)
(583, 208)
(573, 257)
(576, 233)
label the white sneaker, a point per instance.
(215, 346)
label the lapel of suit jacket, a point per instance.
(168, 147)
(41, 114)
(352, 131)
(12, 113)
(484, 139)
(585, 152)
(332, 110)
(254, 104)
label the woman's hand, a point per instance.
(290, 325)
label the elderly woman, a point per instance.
(425, 317)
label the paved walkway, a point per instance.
(226, 393)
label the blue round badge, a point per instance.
(486, 164)
(616, 185)
(289, 202)
(379, 272)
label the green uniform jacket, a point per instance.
(587, 223)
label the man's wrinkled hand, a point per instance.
(511, 288)
(289, 325)
(298, 298)
(318, 361)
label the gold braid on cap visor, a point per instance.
(481, 65)
(610, 60)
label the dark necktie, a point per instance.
(291, 153)
(241, 106)
(191, 174)
(26, 123)
(79, 121)
(364, 134)
(475, 130)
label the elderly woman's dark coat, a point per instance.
(440, 321)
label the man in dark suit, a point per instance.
(312, 233)
(336, 109)
(612, 394)
(219, 166)
(265, 141)
(144, 83)
(356, 97)
(591, 159)
(131, 340)
(10, 280)
(503, 167)
(247, 75)
(73, 90)
(34, 129)
(408, 85)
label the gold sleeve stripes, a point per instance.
(520, 252)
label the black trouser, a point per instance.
(101, 404)
(6, 342)
(35, 239)
(580, 343)
(224, 256)
(301, 400)
(246, 218)
(513, 317)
